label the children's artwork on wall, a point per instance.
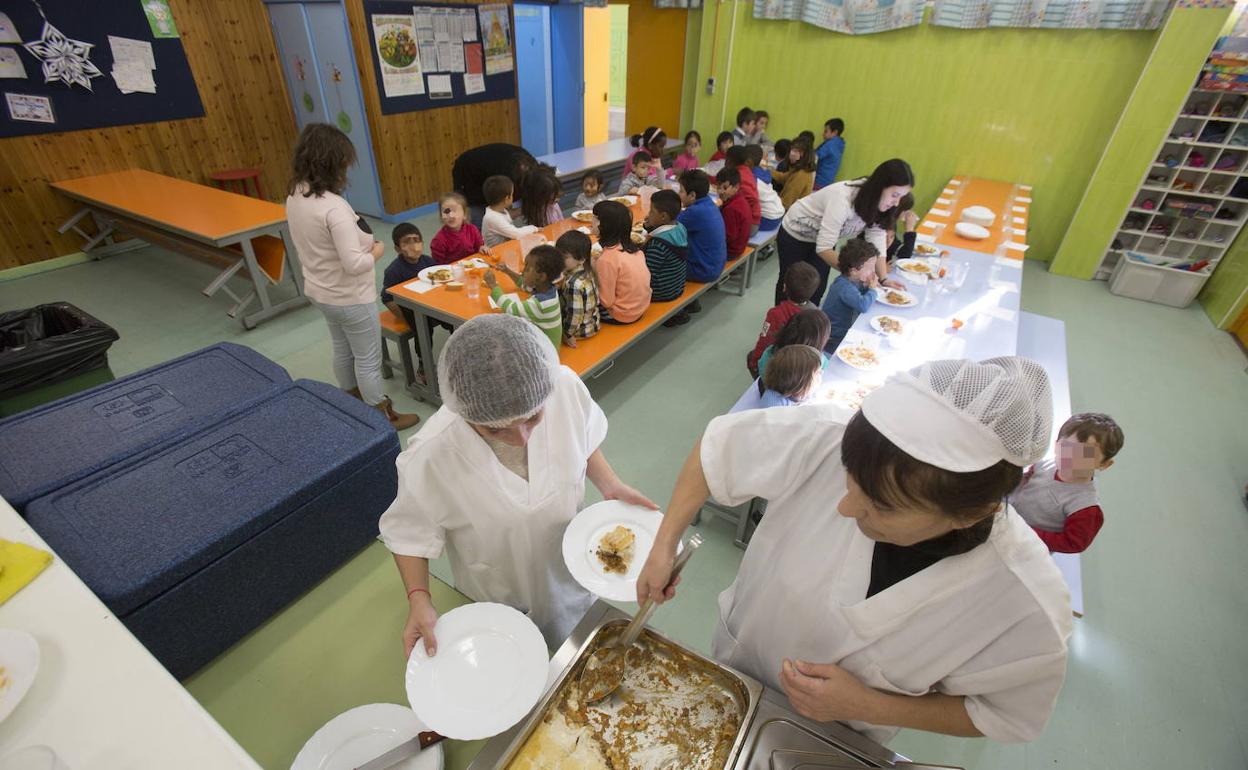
(496, 32)
(1050, 14)
(851, 17)
(31, 109)
(160, 18)
(395, 40)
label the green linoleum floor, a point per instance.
(1158, 675)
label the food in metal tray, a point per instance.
(670, 712)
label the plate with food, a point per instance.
(896, 298)
(627, 200)
(915, 266)
(860, 357)
(849, 396)
(363, 733)
(606, 545)
(437, 274)
(887, 324)
(489, 671)
(583, 215)
(19, 662)
(926, 249)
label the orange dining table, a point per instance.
(1007, 237)
(224, 227)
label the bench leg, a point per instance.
(424, 346)
(405, 354)
(386, 371)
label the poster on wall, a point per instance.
(160, 18)
(496, 33)
(11, 64)
(401, 74)
(474, 77)
(31, 109)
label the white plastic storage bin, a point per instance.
(1154, 283)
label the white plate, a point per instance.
(583, 215)
(468, 262)
(875, 324)
(842, 350)
(911, 300)
(362, 734)
(627, 200)
(489, 672)
(426, 274)
(921, 249)
(972, 231)
(19, 657)
(979, 215)
(906, 266)
(581, 538)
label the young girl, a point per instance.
(623, 278)
(722, 143)
(797, 180)
(578, 296)
(539, 203)
(793, 376)
(457, 238)
(654, 141)
(591, 190)
(689, 158)
(809, 327)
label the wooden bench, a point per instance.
(396, 330)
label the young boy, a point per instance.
(722, 143)
(591, 190)
(643, 173)
(1058, 498)
(667, 252)
(735, 210)
(800, 282)
(770, 207)
(542, 268)
(496, 225)
(828, 154)
(406, 266)
(761, 118)
(754, 154)
(457, 238)
(853, 291)
(738, 159)
(708, 250)
(747, 121)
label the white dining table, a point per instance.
(99, 699)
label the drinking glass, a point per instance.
(472, 283)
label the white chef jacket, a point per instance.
(503, 534)
(990, 624)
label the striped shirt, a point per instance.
(578, 299)
(542, 309)
(667, 255)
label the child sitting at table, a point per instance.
(770, 209)
(542, 267)
(793, 375)
(457, 238)
(643, 173)
(797, 180)
(496, 225)
(854, 289)
(666, 251)
(689, 158)
(761, 119)
(542, 191)
(623, 278)
(800, 282)
(738, 158)
(708, 250)
(722, 143)
(735, 211)
(578, 296)
(406, 266)
(1058, 498)
(828, 155)
(754, 154)
(808, 327)
(747, 121)
(591, 190)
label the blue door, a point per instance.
(533, 75)
(567, 59)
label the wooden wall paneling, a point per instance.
(415, 150)
(247, 122)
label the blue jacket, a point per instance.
(829, 158)
(708, 245)
(845, 301)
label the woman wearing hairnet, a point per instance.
(496, 475)
(888, 585)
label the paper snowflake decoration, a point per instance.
(63, 59)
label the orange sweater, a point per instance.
(623, 283)
(797, 185)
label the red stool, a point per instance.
(226, 180)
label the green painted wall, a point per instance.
(1224, 296)
(1024, 105)
(1165, 81)
(689, 79)
(617, 86)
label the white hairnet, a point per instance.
(496, 370)
(966, 416)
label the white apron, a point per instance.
(502, 534)
(990, 624)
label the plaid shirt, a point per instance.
(578, 299)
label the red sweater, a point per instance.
(736, 213)
(749, 189)
(717, 156)
(449, 246)
(776, 319)
(1077, 533)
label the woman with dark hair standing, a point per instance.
(338, 261)
(474, 166)
(814, 225)
(889, 585)
(654, 141)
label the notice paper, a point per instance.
(128, 50)
(442, 24)
(469, 19)
(32, 109)
(11, 64)
(474, 64)
(133, 76)
(440, 87)
(424, 24)
(429, 57)
(8, 32)
(452, 56)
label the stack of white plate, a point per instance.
(979, 215)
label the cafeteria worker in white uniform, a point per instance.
(495, 476)
(888, 584)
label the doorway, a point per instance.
(549, 68)
(617, 72)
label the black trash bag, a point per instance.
(50, 343)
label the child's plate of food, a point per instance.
(848, 395)
(916, 266)
(887, 324)
(606, 545)
(477, 262)
(896, 298)
(627, 200)
(583, 215)
(436, 274)
(926, 249)
(859, 357)
(19, 662)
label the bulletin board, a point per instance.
(161, 73)
(436, 54)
